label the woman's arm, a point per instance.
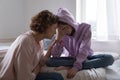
(23, 65)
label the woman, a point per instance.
(25, 57)
(76, 39)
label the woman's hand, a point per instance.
(37, 69)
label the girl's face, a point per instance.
(51, 31)
(65, 29)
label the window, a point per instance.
(94, 13)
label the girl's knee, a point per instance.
(108, 59)
(58, 76)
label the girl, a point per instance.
(76, 39)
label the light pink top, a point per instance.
(21, 58)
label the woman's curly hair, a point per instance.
(42, 21)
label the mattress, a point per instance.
(108, 73)
(91, 74)
(113, 72)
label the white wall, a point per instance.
(15, 15)
(106, 46)
(11, 18)
(35, 6)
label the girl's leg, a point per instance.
(61, 61)
(96, 61)
(49, 76)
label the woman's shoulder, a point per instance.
(24, 38)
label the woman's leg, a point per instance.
(61, 61)
(96, 61)
(49, 76)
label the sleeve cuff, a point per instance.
(33, 76)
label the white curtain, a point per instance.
(113, 19)
(103, 15)
(101, 20)
(108, 20)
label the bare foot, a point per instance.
(62, 68)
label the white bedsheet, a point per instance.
(113, 72)
(91, 74)
(109, 73)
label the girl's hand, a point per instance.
(71, 73)
(60, 32)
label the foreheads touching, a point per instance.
(42, 21)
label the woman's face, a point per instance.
(51, 31)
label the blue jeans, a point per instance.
(49, 76)
(95, 61)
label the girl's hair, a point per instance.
(42, 21)
(63, 23)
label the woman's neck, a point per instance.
(37, 36)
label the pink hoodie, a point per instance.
(78, 45)
(21, 58)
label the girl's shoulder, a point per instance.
(84, 25)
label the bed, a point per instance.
(108, 73)
(111, 47)
(99, 47)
